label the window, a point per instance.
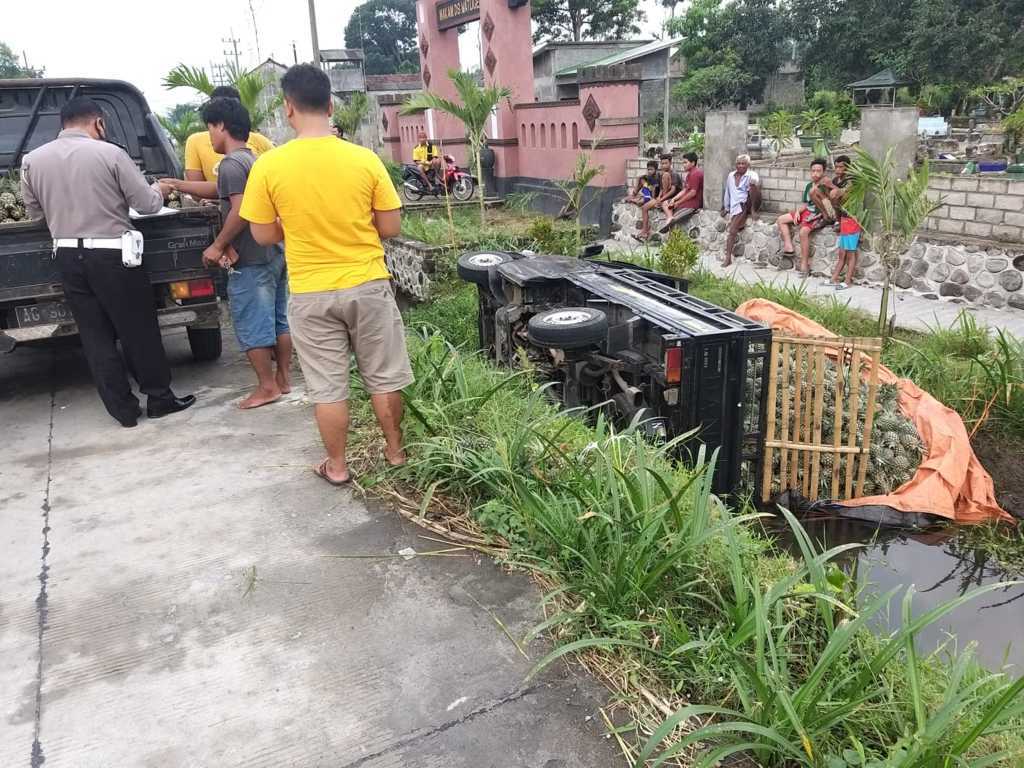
(543, 136)
(575, 136)
(533, 134)
(565, 142)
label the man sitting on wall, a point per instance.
(690, 199)
(427, 159)
(671, 182)
(740, 199)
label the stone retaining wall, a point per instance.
(412, 265)
(983, 206)
(984, 273)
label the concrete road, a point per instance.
(132, 632)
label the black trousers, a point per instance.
(109, 302)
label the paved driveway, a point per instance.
(132, 632)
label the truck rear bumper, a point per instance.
(205, 315)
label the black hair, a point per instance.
(308, 88)
(231, 114)
(819, 161)
(666, 157)
(842, 159)
(651, 164)
(691, 156)
(79, 109)
(225, 92)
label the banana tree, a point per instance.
(250, 85)
(890, 211)
(474, 111)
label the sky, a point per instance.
(112, 38)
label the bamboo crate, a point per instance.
(798, 434)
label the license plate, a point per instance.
(52, 312)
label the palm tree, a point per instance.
(778, 127)
(180, 124)
(348, 117)
(890, 210)
(575, 188)
(250, 87)
(477, 105)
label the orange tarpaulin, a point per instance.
(950, 482)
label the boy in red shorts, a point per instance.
(807, 217)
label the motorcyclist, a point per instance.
(428, 163)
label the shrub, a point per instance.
(679, 254)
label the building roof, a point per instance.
(623, 57)
(396, 82)
(884, 79)
(552, 44)
(271, 62)
(341, 54)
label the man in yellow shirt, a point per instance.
(332, 202)
(202, 160)
(426, 159)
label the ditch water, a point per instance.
(940, 570)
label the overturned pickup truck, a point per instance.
(634, 343)
(32, 306)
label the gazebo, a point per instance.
(879, 90)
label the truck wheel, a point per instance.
(568, 328)
(205, 343)
(475, 266)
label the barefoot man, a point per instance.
(332, 202)
(257, 277)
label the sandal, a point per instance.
(321, 471)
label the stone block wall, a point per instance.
(413, 266)
(983, 273)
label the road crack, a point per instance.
(42, 600)
(417, 736)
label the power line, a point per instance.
(233, 42)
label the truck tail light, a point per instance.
(192, 289)
(674, 365)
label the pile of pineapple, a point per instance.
(896, 447)
(173, 199)
(12, 205)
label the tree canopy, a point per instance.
(11, 66)
(386, 31)
(586, 19)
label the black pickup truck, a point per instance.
(185, 293)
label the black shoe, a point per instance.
(161, 408)
(130, 420)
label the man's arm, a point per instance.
(267, 234)
(388, 223)
(32, 207)
(140, 195)
(233, 226)
(194, 185)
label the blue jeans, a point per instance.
(259, 303)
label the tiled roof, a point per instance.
(405, 82)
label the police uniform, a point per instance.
(83, 187)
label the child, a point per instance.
(646, 187)
(849, 228)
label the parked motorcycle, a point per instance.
(459, 183)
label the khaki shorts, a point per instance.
(327, 326)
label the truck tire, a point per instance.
(568, 328)
(205, 343)
(475, 266)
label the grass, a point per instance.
(506, 227)
(669, 594)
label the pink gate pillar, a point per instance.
(389, 123)
(439, 53)
(507, 62)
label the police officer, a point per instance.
(83, 187)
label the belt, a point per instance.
(88, 242)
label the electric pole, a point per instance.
(312, 30)
(233, 42)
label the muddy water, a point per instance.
(939, 571)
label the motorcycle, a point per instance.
(458, 182)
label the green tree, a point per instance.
(778, 127)
(12, 67)
(474, 111)
(386, 31)
(890, 210)
(747, 36)
(586, 19)
(713, 86)
(350, 115)
(250, 85)
(181, 122)
(575, 190)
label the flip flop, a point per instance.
(321, 471)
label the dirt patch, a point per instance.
(1001, 456)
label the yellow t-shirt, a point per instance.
(421, 154)
(325, 192)
(199, 154)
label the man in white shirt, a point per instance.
(742, 197)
